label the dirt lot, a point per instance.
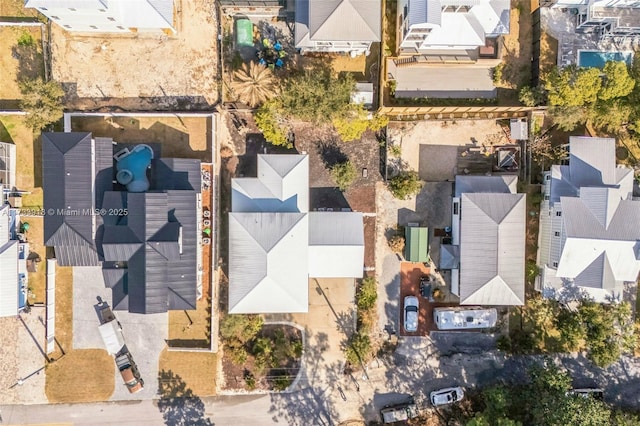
(18, 62)
(142, 71)
(517, 50)
(181, 136)
(442, 161)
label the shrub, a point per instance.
(344, 174)
(272, 130)
(503, 343)
(367, 294)
(359, 348)
(249, 380)
(496, 73)
(281, 382)
(396, 243)
(26, 40)
(393, 84)
(405, 185)
(531, 96)
(240, 328)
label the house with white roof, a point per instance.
(346, 26)
(450, 26)
(486, 255)
(108, 16)
(13, 264)
(589, 241)
(276, 244)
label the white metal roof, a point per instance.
(492, 244)
(275, 244)
(268, 262)
(9, 288)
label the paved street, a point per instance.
(417, 371)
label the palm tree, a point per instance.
(254, 84)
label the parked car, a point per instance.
(399, 412)
(411, 307)
(446, 396)
(129, 373)
(588, 392)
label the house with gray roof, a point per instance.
(589, 240)
(348, 26)
(146, 241)
(486, 254)
(276, 244)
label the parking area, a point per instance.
(144, 335)
(22, 352)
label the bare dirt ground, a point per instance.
(411, 135)
(181, 136)
(517, 50)
(21, 352)
(143, 71)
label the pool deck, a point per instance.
(562, 26)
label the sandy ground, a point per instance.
(152, 70)
(22, 359)
(454, 133)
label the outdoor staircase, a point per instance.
(405, 61)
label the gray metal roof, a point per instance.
(176, 173)
(592, 161)
(496, 184)
(492, 244)
(339, 20)
(158, 276)
(68, 190)
(581, 222)
(449, 256)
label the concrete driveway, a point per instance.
(329, 322)
(144, 335)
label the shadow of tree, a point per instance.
(29, 61)
(178, 404)
(331, 154)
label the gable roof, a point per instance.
(68, 192)
(281, 185)
(475, 184)
(324, 20)
(592, 161)
(492, 242)
(274, 244)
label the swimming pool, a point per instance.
(596, 59)
(132, 167)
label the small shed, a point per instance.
(416, 243)
(519, 129)
(244, 33)
(363, 95)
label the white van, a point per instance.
(464, 318)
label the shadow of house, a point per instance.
(178, 404)
(144, 103)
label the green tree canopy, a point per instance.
(617, 81)
(405, 185)
(317, 95)
(573, 86)
(344, 174)
(42, 101)
(240, 328)
(544, 401)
